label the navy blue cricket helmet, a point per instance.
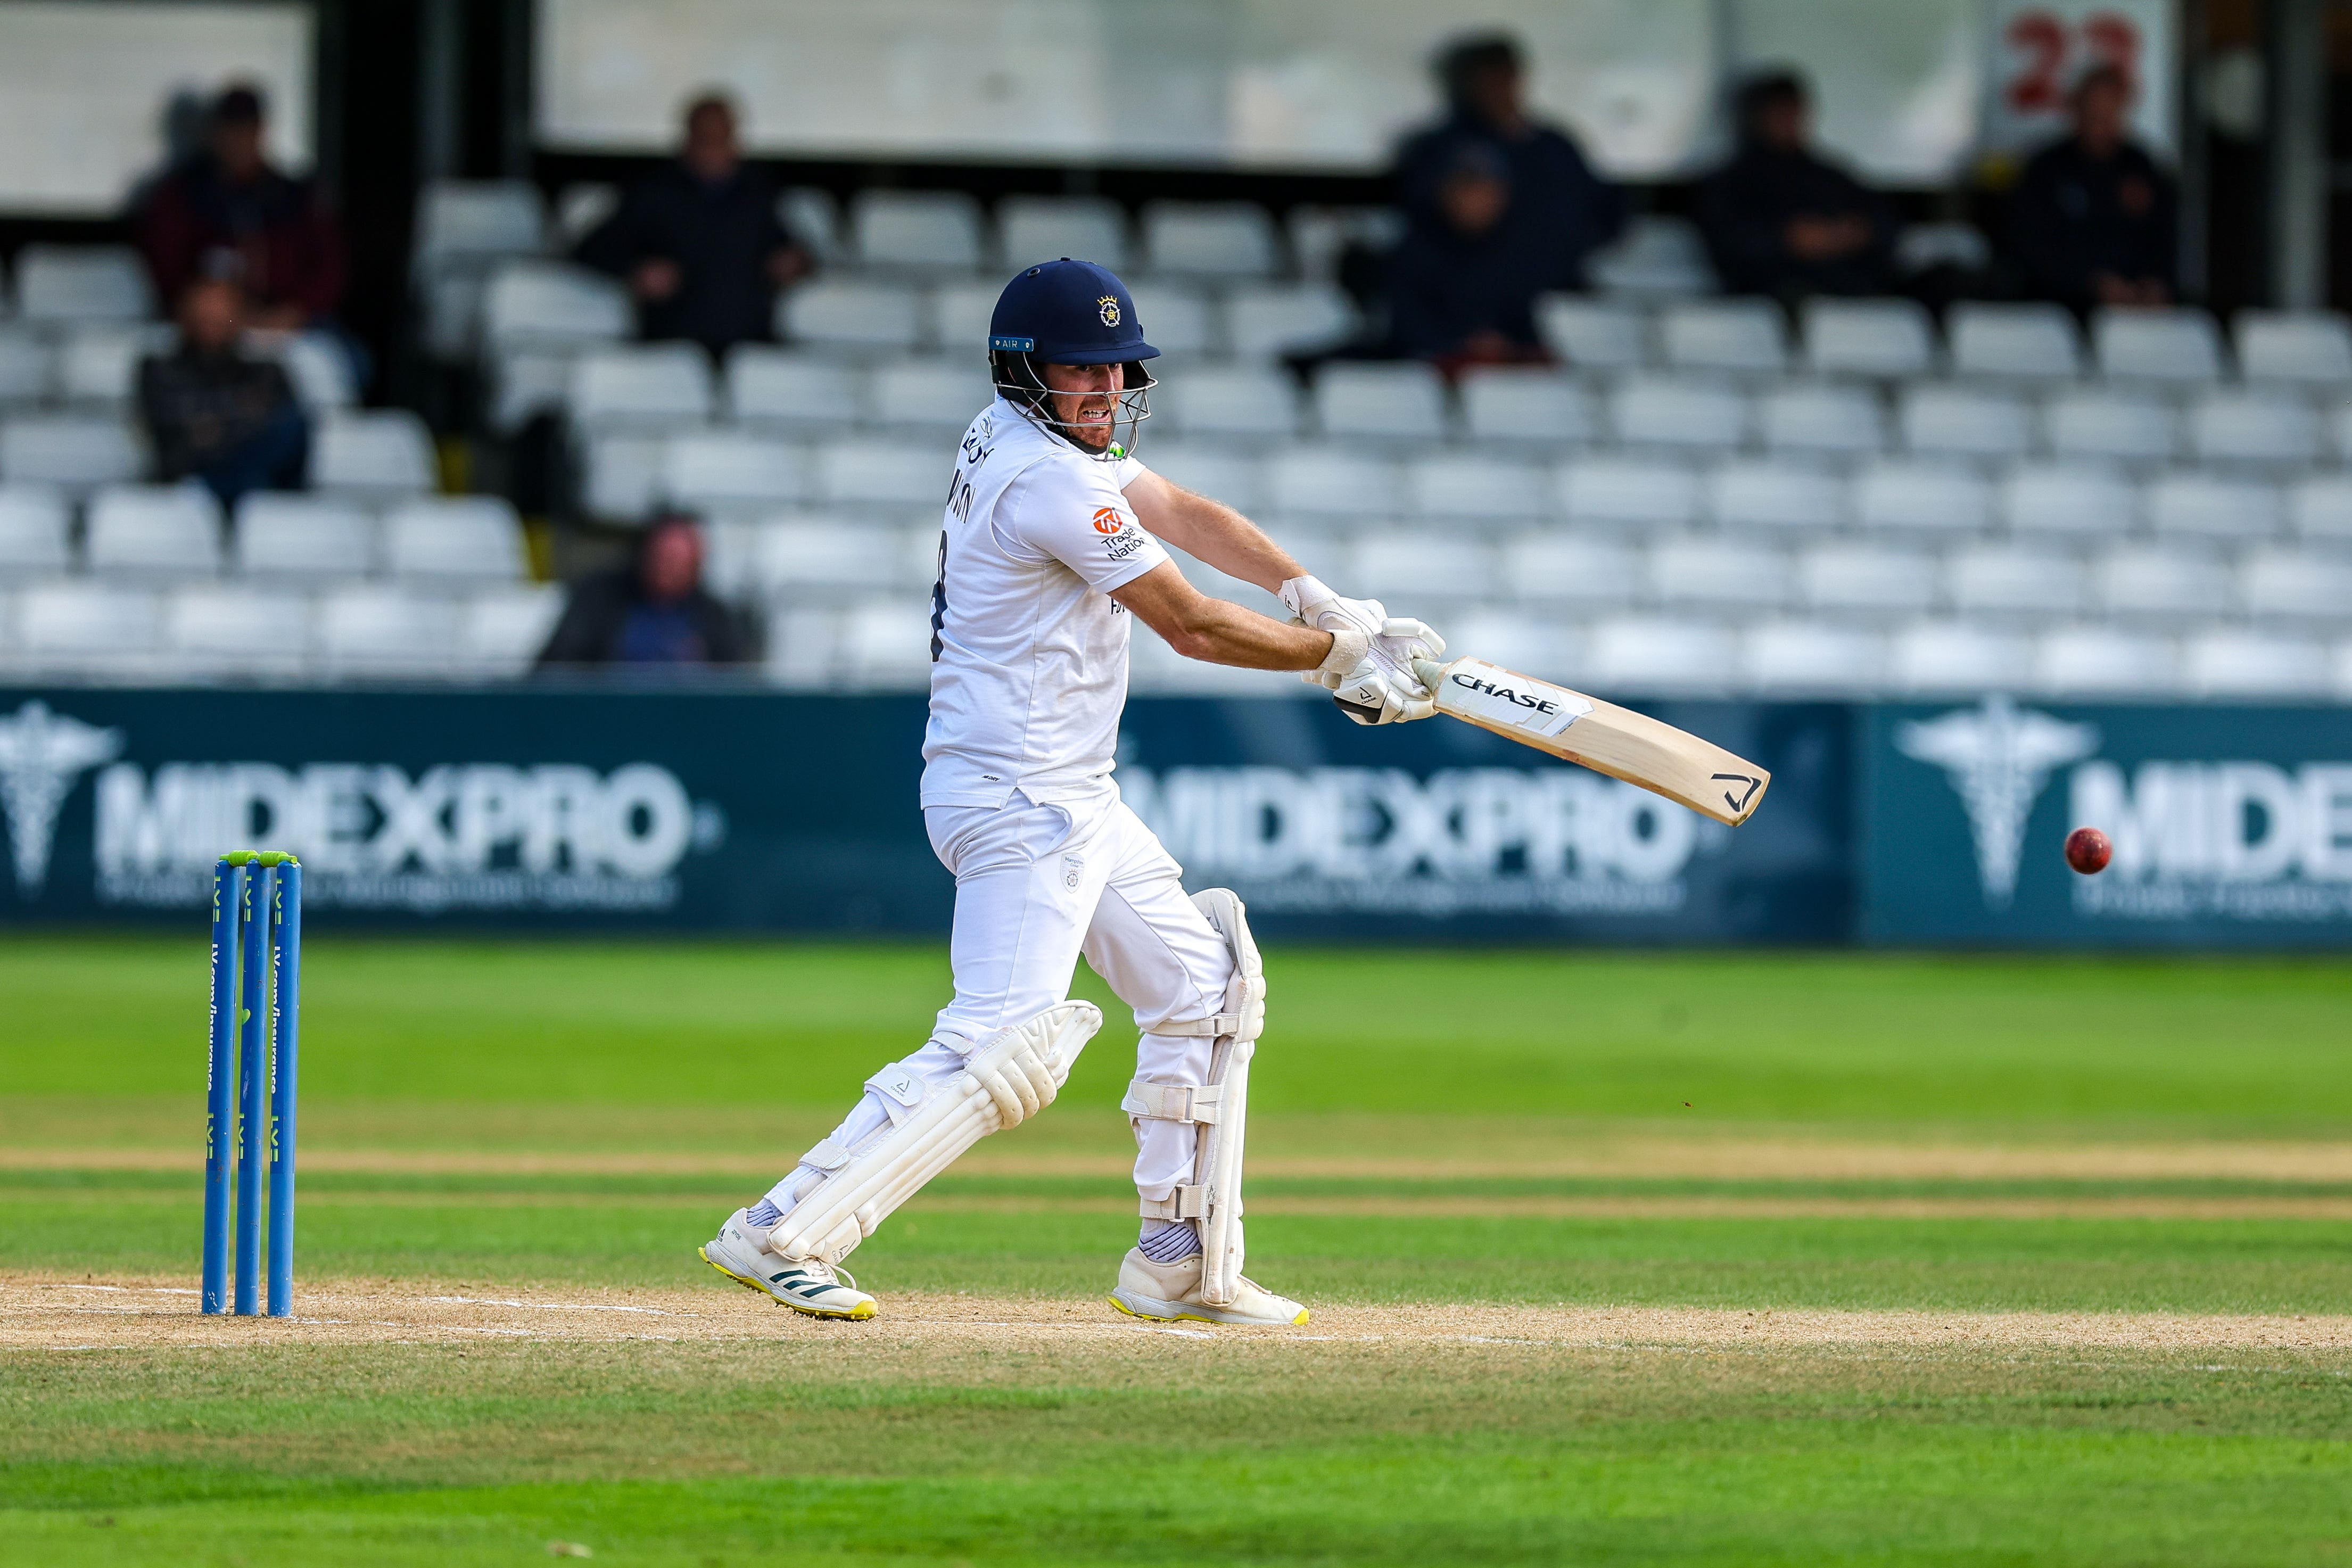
(1069, 313)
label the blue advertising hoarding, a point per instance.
(621, 809)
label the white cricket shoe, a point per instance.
(805, 1285)
(1168, 1293)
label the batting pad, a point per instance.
(1013, 1077)
(1220, 1107)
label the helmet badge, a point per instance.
(1109, 305)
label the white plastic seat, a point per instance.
(1718, 573)
(1957, 656)
(1622, 492)
(542, 302)
(1399, 402)
(1657, 257)
(100, 364)
(455, 539)
(1333, 481)
(1866, 580)
(1781, 498)
(2295, 348)
(1176, 317)
(303, 537)
(621, 474)
(1642, 653)
(2080, 500)
(1831, 418)
(1268, 321)
(82, 283)
(1320, 235)
(1891, 338)
(1557, 567)
(224, 628)
(1031, 229)
(2207, 506)
(1921, 499)
(934, 230)
(1525, 404)
(885, 644)
(961, 314)
(2321, 509)
(1799, 657)
(2170, 345)
(2106, 425)
(501, 631)
(2295, 585)
(859, 316)
(936, 395)
(2253, 663)
(1250, 402)
(34, 532)
(2271, 429)
(525, 383)
(1534, 644)
(880, 474)
(2101, 661)
(1401, 566)
(2160, 582)
(768, 386)
(478, 218)
(815, 556)
(319, 369)
(731, 470)
(28, 366)
(71, 451)
(86, 621)
(2007, 579)
(1209, 240)
(1588, 333)
(380, 630)
(2014, 343)
(1742, 336)
(1940, 419)
(811, 216)
(1665, 411)
(154, 530)
(380, 452)
(1215, 470)
(1456, 487)
(651, 384)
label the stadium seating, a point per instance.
(1031, 229)
(68, 285)
(379, 454)
(302, 538)
(917, 230)
(151, 532)
(1224, 240)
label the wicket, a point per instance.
(257, 904)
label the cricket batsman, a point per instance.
(1056, 542)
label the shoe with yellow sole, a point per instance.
(1170, 1293)
(808, 1286)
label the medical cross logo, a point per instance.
(41, 754)
(1107, 521)
(1999, 757)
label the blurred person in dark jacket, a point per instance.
(1780, 220)
(2094, 221)
(699, 244)
(1559, 210)
(653, 612)
(227, 213)
(215, 415)
(1463, 290)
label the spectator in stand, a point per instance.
(1462, 291)
(653, 612)
(699, 244)
(1780, 220)
(228, 214)
(1558, 211)
(2093, 219)
(214, 415)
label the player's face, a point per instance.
(1085, 399)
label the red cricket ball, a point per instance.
(2087, 850)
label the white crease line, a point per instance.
(1180, 1333)
(554, 1306)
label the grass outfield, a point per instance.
(1710, 1259)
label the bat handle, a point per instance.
(1430, 672)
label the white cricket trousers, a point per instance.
(1037, 885)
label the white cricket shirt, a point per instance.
(1029, 660)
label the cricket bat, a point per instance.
(1597, 735)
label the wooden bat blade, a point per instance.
(1599, 735)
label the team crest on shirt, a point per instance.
(1109, 305)
(1107, 521)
